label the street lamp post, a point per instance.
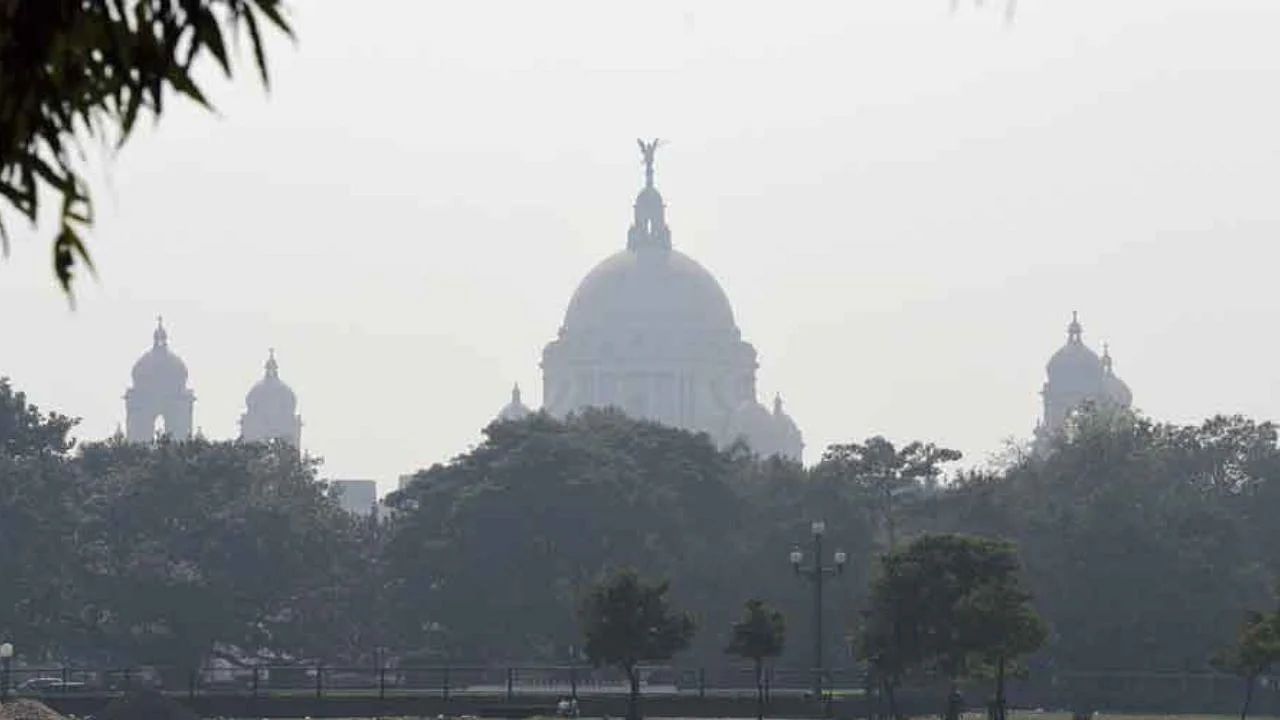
(6, 657)
(815, 574)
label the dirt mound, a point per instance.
(146, 705)
(27, 710)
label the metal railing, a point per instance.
(445, 681)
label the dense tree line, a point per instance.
(168, 554)
(1143, 545)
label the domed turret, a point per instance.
(271, 393)
(515, 410)
(1074, 360)
(1077, 376)
(1117, 391)
(271, 408)
(159, 367)
(790, 439)
(159, 394)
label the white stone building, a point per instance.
(651, 332)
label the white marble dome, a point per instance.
(649, 286)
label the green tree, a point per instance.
(40, 500)
(1256, 649)
(75, 70)
(25, 431)
(886, 473)
(627, 621)
(949, 603)
(1192, 507)
(760, 634)
(489, 556)
(193, 549)
(1001, 626)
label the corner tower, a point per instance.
(159, 394)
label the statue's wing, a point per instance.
(643, 149)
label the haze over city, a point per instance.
(903, 202)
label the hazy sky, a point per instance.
(903, 203)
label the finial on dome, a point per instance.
(1074, 331)
(1106, 357)
(515, 394)
(160, 337)
(777, 403)
(273, 368)
(648, 150)
(649, 229)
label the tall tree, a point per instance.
(760, 634)
(627, 621)
(999, 623)
(75, 70)
(886, 473)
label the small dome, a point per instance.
(1115, 389)
(650, 286)
(159, 367)
(753, 423)
(784, 422)
(271, 393)
(516, 409)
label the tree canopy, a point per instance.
(950, 604)
(1141, 546)
(166, 554)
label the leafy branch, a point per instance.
(72, 70)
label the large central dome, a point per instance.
(649, 286)
(651, 332)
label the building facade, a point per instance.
(358, 497)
